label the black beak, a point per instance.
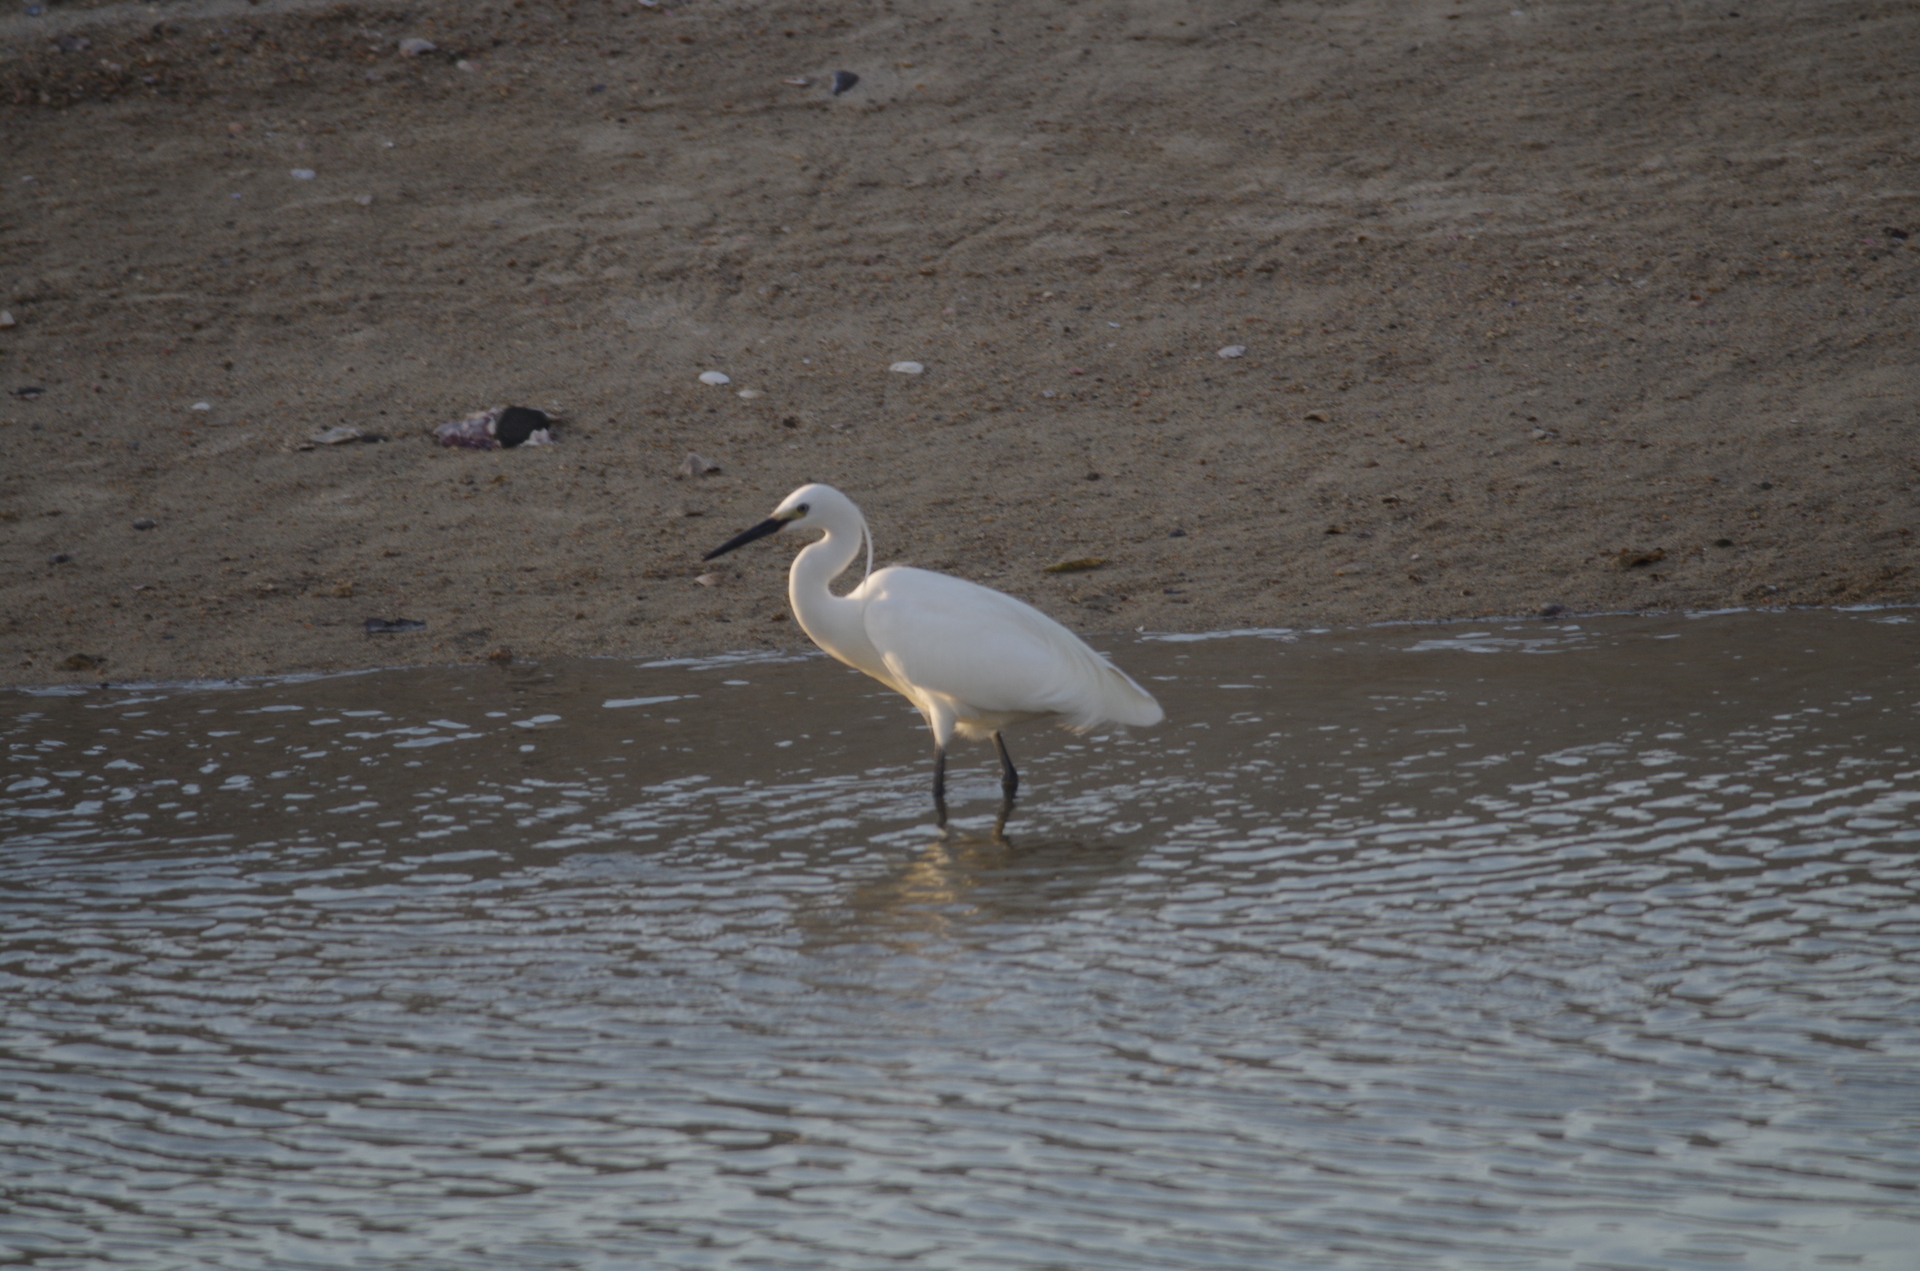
(772, 525)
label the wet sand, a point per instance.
(1606, 306)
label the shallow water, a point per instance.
(1522, 945)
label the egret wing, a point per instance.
(989, 653)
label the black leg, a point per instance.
(940, 783)
(1009, 786)
(1009, 779)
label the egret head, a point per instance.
(812, 506)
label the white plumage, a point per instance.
(972, 659)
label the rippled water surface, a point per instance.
(1584, 945)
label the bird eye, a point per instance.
(801, 510)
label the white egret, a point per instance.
(972, 660)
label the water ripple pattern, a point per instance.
(1586, 945)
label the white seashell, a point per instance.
(708, 580)
(907, 368)
(1233, 350)
(751, 393)
(416, 46)
(475, 432)
(715, 377)
(201, 406)
(302, 174)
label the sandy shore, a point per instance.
(1601, 305)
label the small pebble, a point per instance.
(751, 393)
(1233, 350)
(708, 580)
(364, 200)
(523, 425)
(145, 523)
(59, 558)
(393, 626)
(7, 319)
(843, 80)
(302, 174)
(416, 46)
(798, 81)
(201, 406)
(464, 65)
(1317, 416)
(715, 377)
(907, 368)
(695, 465)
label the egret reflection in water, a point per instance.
(1514, 945)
